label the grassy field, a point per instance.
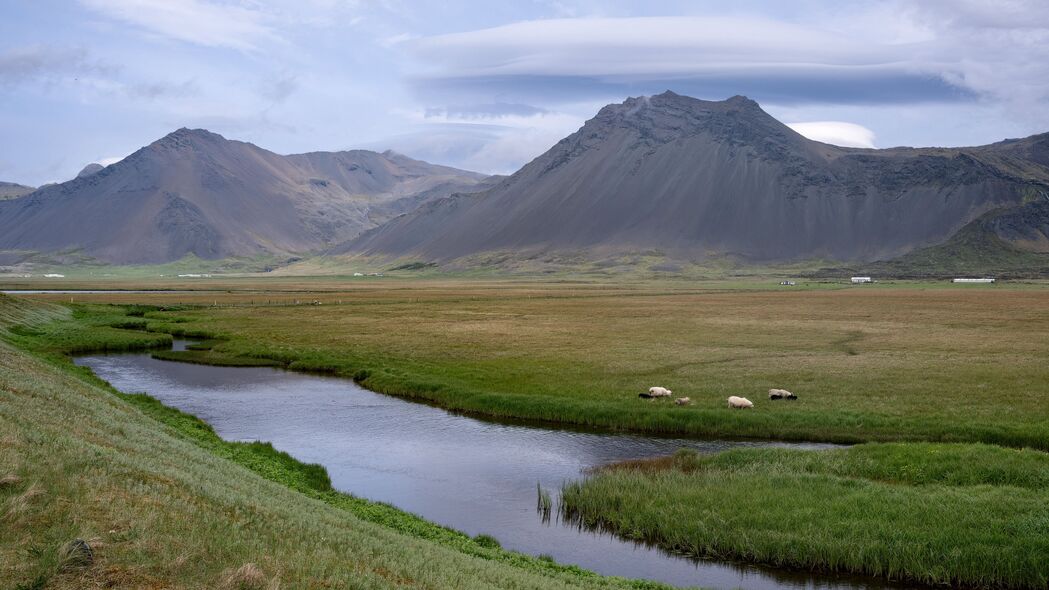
(882, 363)
(886, 363)
(164, 503)
(959, 514)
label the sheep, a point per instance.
(781, 394)
(682, 401)
(739, 403)
(659, 392)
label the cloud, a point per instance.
(494, 138)
(47, 63)
(484, 112)
(278, 89)
(875, 53)
(394, 40)
(710, 56)
(156, 90)
(836, 133)
(193, 21)
(110, 160)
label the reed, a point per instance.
(957, 514)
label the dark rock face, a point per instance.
(691, 178)
(1026, 226)
(194, 192)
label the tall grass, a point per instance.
(544, 503)
(968, 515)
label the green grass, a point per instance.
(913, 364)
(918, 362)
(208, 357)
(968, 515)
(164, 502)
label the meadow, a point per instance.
(946, 383)
(873, 363)
(964, 515)
(162, 502)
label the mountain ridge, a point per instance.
(194, 192)
(11, 190)
(695, 178)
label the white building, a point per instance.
(961, 280)
(862, 280)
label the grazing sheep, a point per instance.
(659, 392)
(781, 394)
(645, 395)
(682, 401)
(739, 403)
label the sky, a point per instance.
(487, 85)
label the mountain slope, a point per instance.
(92, 168)
(692, 178)
(194, 192)
(10, 190)
(1006, 242)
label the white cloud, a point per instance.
(836, 133)
(940, 51)
(397, 39)
(490, 141)
(652, 46)
(193, 21)
(107, 161)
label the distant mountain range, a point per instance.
(10, 190)
(676, 176)
(195, 192)
(693, 178)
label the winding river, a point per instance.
(474, 475)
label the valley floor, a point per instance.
(916, 362)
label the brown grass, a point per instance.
(245, 577)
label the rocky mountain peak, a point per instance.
(90, 169)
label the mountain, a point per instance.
(195, 192)
(10, 190)
(90, 169)
(692, 178)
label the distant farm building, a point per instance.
(52, 275)
(960, 280)
(857, 280)
(787, 283)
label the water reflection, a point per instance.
(474, 475)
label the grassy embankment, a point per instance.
(871, 364)
(961, 514)
(163, 502)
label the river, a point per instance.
(474, 475)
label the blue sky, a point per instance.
(489, 85)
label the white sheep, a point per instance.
(682, 401)
(781, 394)
(739, 403)
(659, 392)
